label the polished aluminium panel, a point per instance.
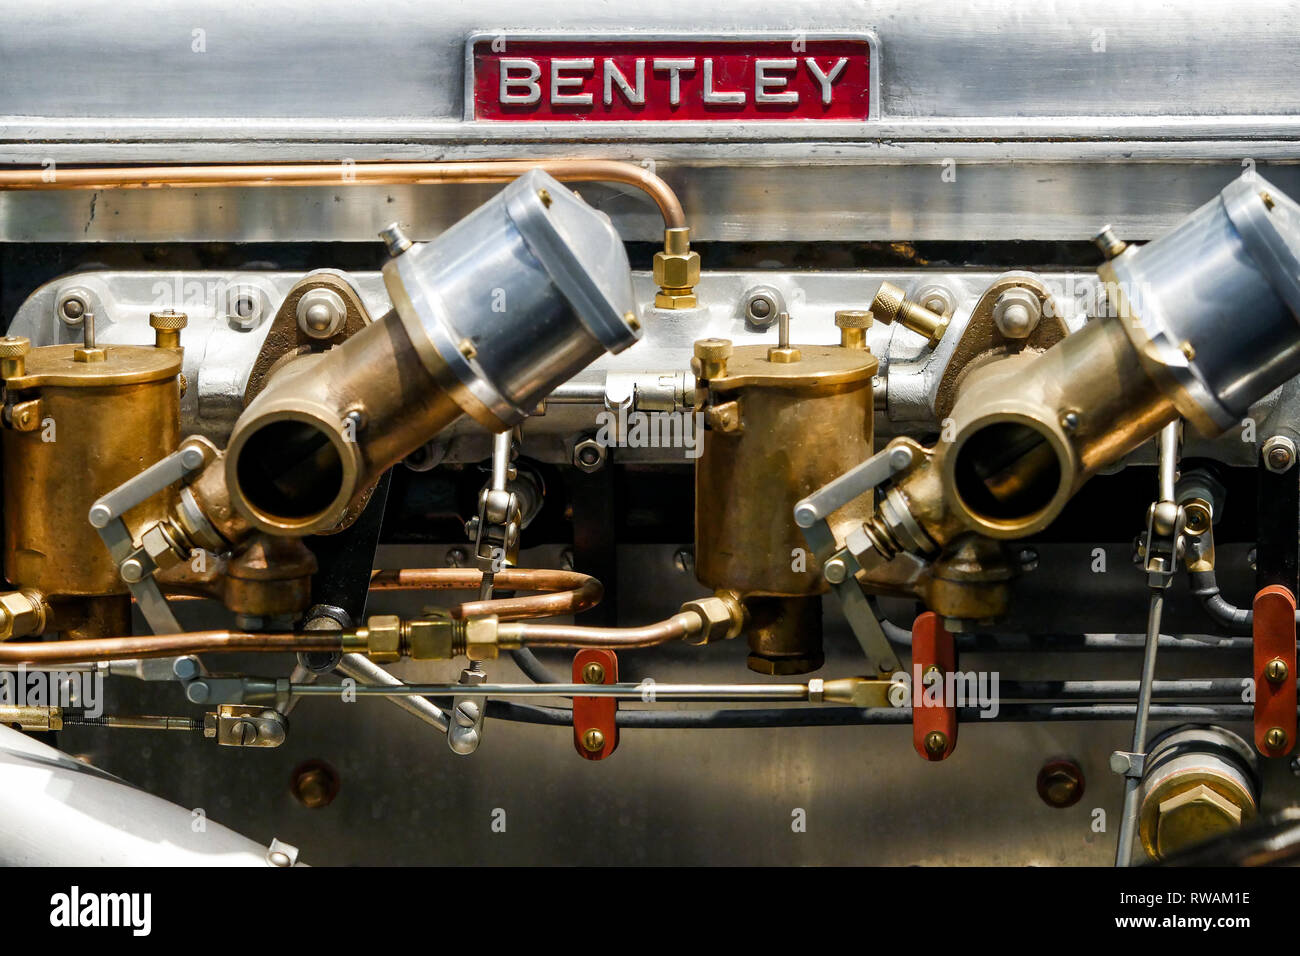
(1002, 120)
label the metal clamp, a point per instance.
(595, 719)
(465, 724)
(1273, 629)
(839, 566)
(135, 564)
(241, 725)
(934, 726)
(1128, 764)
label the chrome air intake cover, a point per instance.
(517, 297)
(1214, 304)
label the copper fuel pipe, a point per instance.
(568, 592)
(339, 174)
(49, 653)
(572, 636)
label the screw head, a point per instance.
(593, 741)
(1060, 783)
(314, 784)
(835, 570)
(467, 713)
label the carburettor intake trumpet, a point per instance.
(487, 320)
(1027, 430)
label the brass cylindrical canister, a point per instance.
(81, 422)
(781, 423)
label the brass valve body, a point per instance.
(776, 431)
(76, 429)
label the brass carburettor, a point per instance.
(79, 420)
(780, 423)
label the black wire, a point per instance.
(533, 669)
(853, 716)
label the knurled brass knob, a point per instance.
(13, 349)
(853, 319)
(167, 328)
(711, 357)
(853, 325)
(168, 320)
(14, 346)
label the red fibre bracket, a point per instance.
(932, 646)
(1275, 699)
(595, 719)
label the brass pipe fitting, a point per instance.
(22, 614)
(891, 304)
(676, 271)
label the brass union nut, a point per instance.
(429, 638)
(723, 616)
(22, 614)
(481, 639)
(676, 271)
(384, 638)
(1192, 816)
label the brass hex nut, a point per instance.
(1194, 815)
(384, 638)
(22, 614)
(481, 639)
(429, 638)
(677, 270)
(723, 616)
(675, 300)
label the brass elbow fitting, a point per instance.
(677, 271)
(722, 617)
(890, 305)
